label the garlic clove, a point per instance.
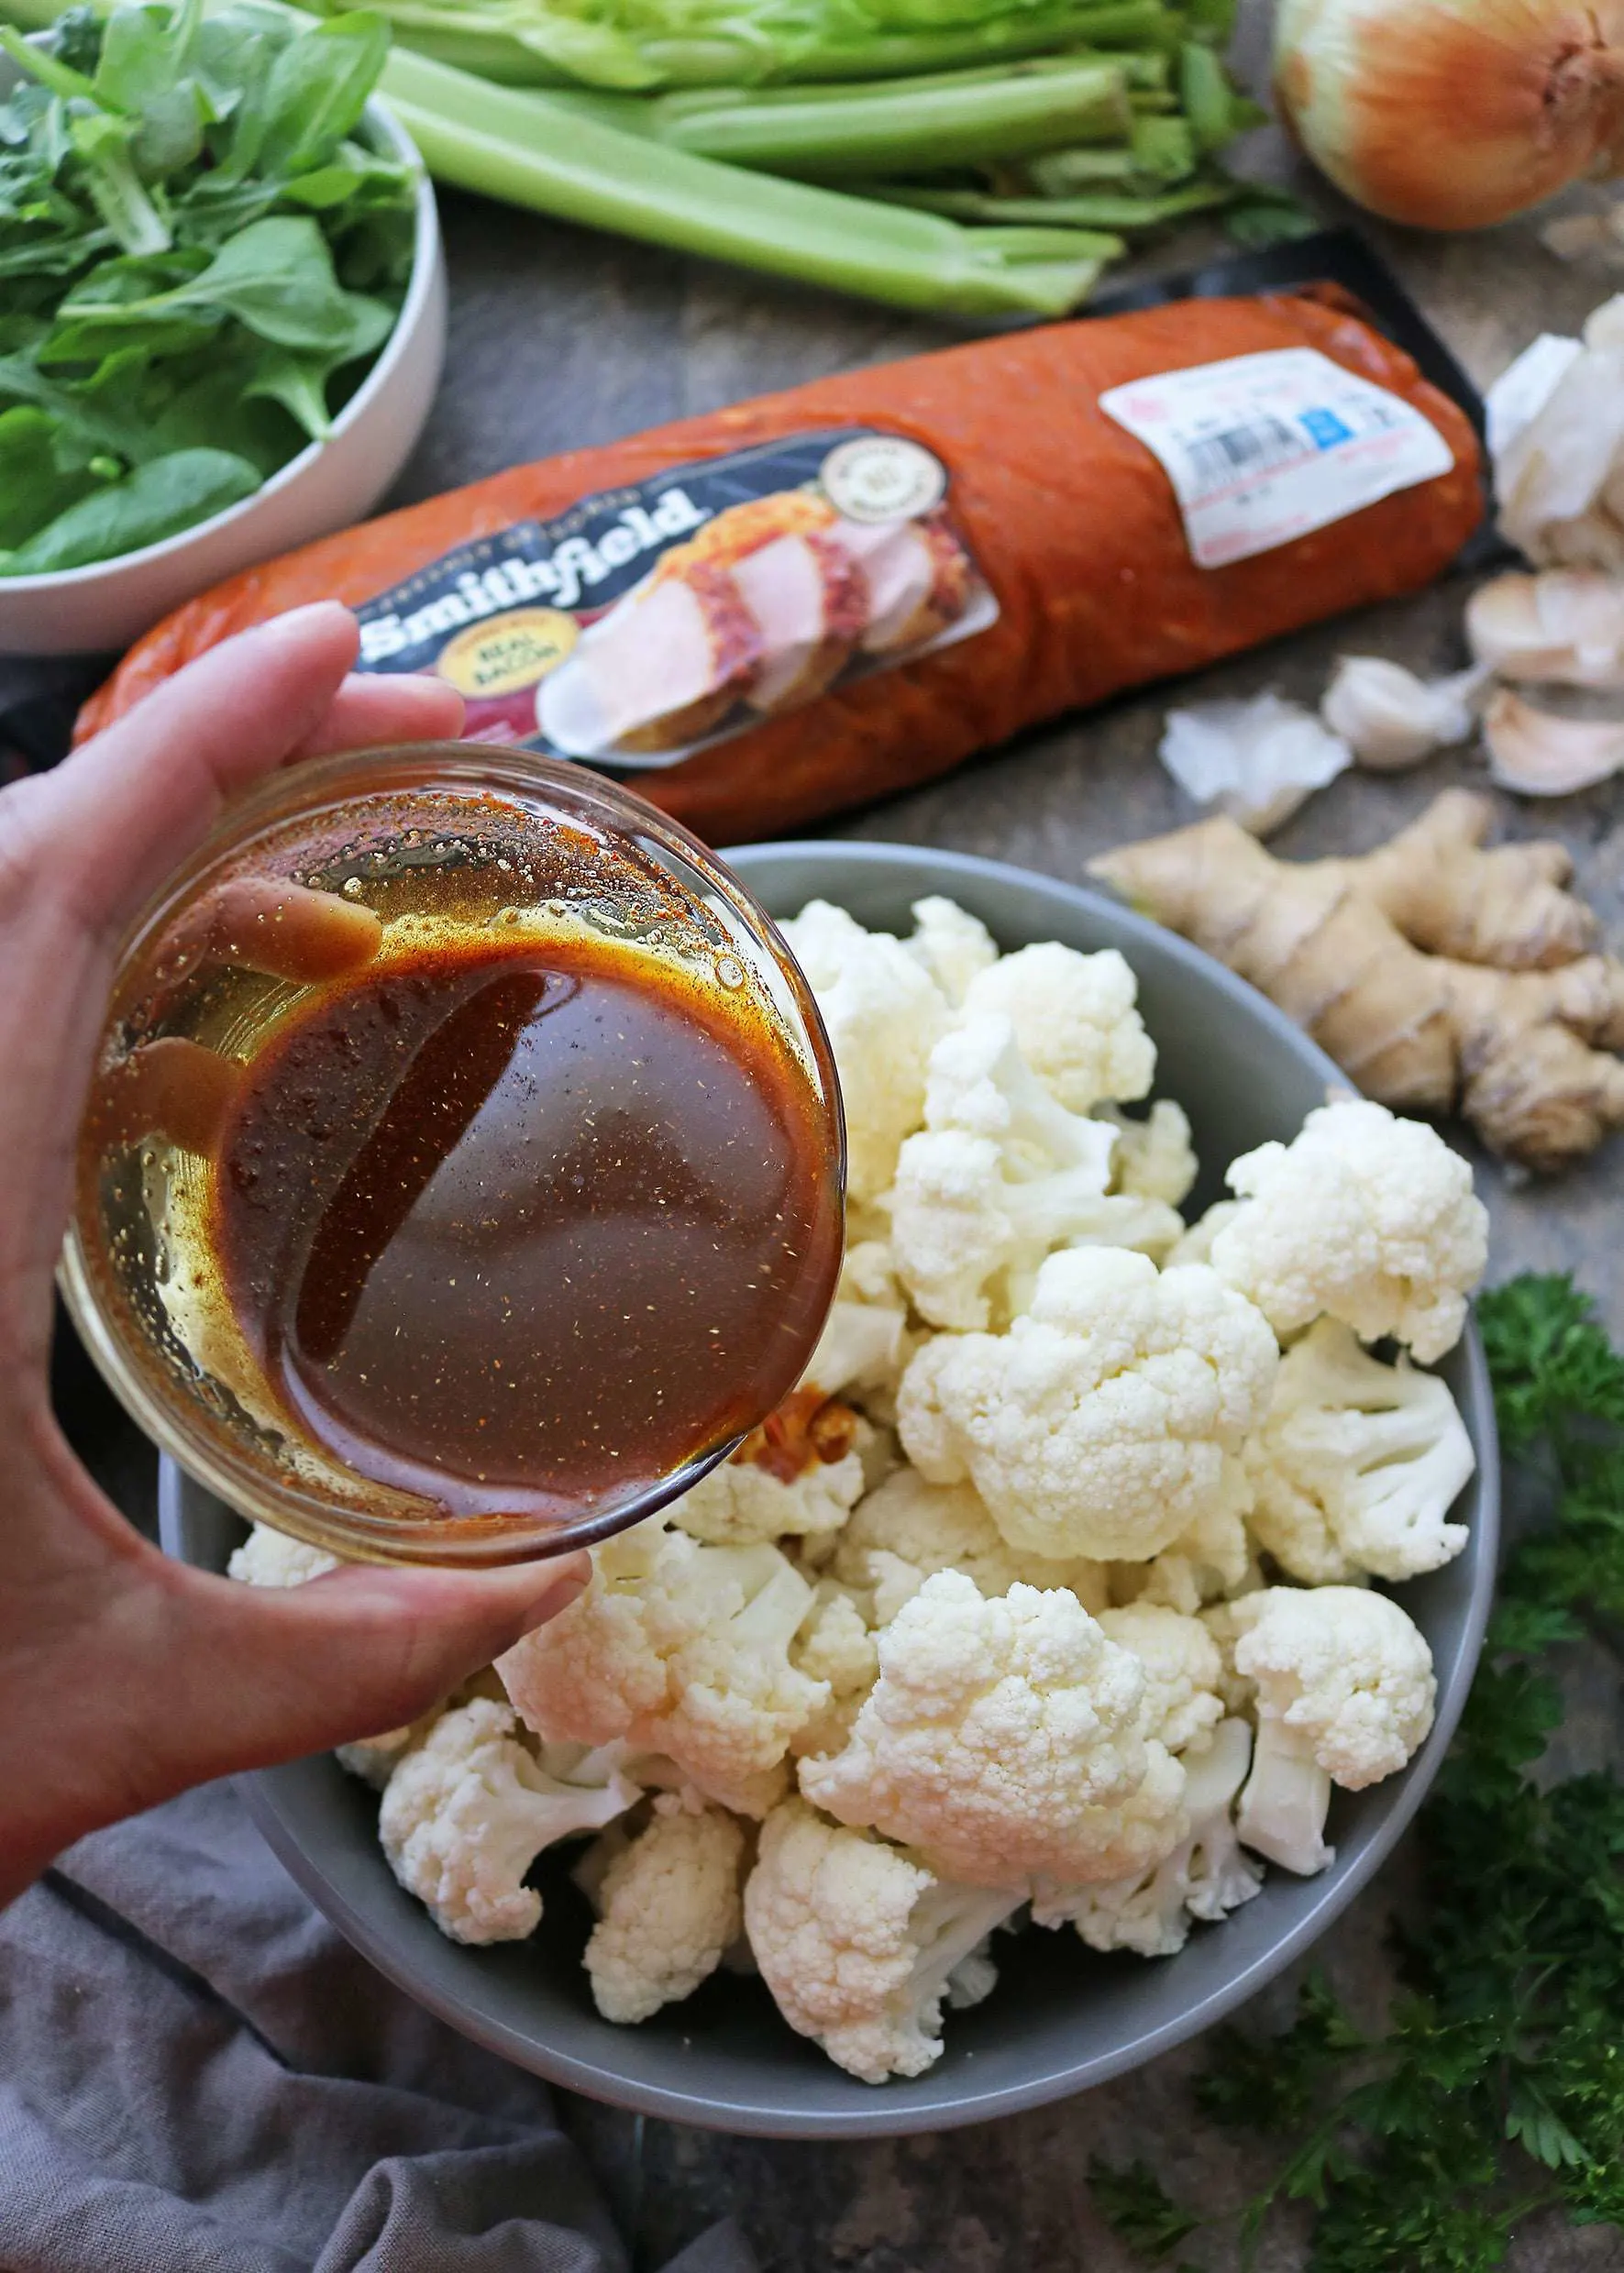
(1552, 473)
(1539, 755)
(1255, 760)
(1525, 386)
(1389, 718)
(1566, 625)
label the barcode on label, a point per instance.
(1263, 448)
(1216, 458)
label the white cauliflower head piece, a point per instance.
(1206, 1876)
(1358, 1464)
(1075, 1020)
(882, 1012)
(1098, 1425)
(667, 1904)
(269, 1558)
(466, 1812)
(951, 943)
(1155, 1158)
(682, 1649)
(861, 1945)
(1346, 1692)
(799, 1475)
(1182, 1670)
(1363, 1217)
(999, 1176)
(907, 1527)
(1003, 1738)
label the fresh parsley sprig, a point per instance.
(1496, 2089)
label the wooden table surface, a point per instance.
(561, 338)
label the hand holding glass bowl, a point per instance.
(126, 1676)
(462, 1175)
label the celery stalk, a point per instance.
(902, 126)
(519, 45)
(524, 149)
(1098, 210)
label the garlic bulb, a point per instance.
(1567, 625)
(1541, 754)
(1453, 114)
(1255, 761)
(1559, 455)
(1389, 718)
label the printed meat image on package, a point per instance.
(645, 623)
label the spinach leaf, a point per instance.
(277, 277)
(193, 244)
(319, 86)
(33, 487)
(156, 500)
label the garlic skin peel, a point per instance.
(1453, 114)
(1538, 754)
(1559, 474)
(1255, 761)
(1566, 627)
(1389, 718)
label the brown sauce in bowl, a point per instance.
(521, 1230)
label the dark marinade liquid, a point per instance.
(518, 1232)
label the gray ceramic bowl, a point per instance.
(1061, 2018)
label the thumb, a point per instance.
(270, 1673)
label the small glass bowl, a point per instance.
(542, 846)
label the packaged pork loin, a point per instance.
(804, 601)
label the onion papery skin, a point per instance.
(1453, 114)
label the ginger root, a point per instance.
(1439, 974)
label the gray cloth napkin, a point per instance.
(198, 2074)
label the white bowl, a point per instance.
(329, 484)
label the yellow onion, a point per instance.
(1453, 114)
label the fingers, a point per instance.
(271, 1673)
(82, 848)
(120, 813)
(368, 711)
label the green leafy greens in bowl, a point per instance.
(200, 257)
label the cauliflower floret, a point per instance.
(1207, 1875)
(679, 1649)
(910, 1527)
(1358, 1464)
(999, 1176)
(1098, 1425)
(951, 943)
(1182, 1670)
(882, 1012)
(1002, 1739)
(269, 1558)
(1154, 1157)
(668, 1906)
(1345, 1695)
(1363, 1218)
(799, 1474)
(1196, 1246)
(1074, 1019)
(1220, 1619)
(1211, 1559)
(466, 1812)
(838, 1647)
(969, 1238)
(861, 1945)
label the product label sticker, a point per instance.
(647, 621)
(1264, 448)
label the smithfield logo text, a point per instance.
(560, 576)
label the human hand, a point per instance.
(125, 1677)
